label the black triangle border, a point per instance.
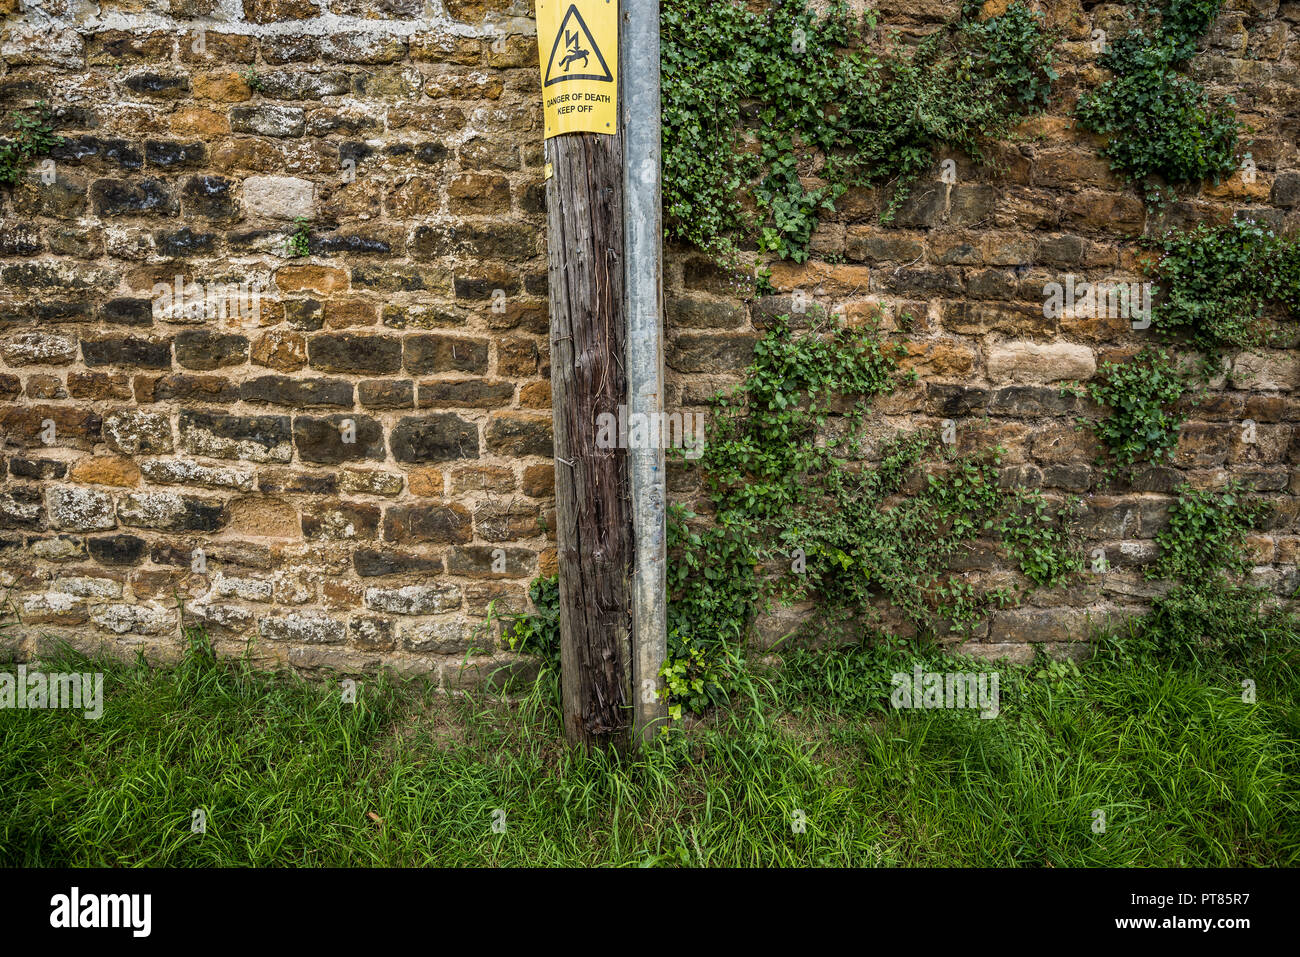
(595, 47)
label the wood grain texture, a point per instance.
(593, 508)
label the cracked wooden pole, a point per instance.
(578, 46)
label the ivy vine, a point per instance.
(807, 501)
(1220, 287)
(769, 118)
(1162, 128)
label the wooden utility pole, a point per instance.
(603, 245)
(593, 512)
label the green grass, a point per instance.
(1187, 773)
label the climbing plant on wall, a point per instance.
(806, 501)
(1162, 127)
(770, 117)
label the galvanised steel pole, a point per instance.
(644, 353)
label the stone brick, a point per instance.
(31, 425)
(466, 394)
(127, 312)
(346, 352)
(448, 637)
(171, 511)
(1286, 190)
(400, 278)
(345, 521)
(343, 313)
(425, 482)
(262, 438)
(1018, 625)
(127, 351)
(481, 561)
(506, 522)
(286, 480)
(180, 244)
(1031, 362)
(113, 198)
(106, 470)
(211, 198)
(278, 197)
(375, 563)
(172, 154)
(182, 387)
(204, 350)
(304, 627)
(372, 631)
(370, 481)
(438, 524)
(163, 86)
(710, 352)
(186, 472)
(504, 241)
(23, 506)
(539, 481)
(37, 469)
(80, 509)
(1266, 371)
(39, 348)
(938, 359)
(519, 433)
(478, 193)
(117, 549)
(1032, 402)
(517, 357)
(482, 478)
(414, 599)
(338, 438)
(298, 393)
(133, 432)
(437, 437)
(279, 349)
(425, 354)
(267, 119)
(386, 393)
(133, 619)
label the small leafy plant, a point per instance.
(299, 242)
(1141, 426)
(31, 137)
(1040, 538)
(696, 679)
(1206, 534)
(539, 633)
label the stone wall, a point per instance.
(352, 464)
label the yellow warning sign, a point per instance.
(577, 41)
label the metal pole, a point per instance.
(643, 309)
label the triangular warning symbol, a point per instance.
(577, 50)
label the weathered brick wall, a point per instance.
(969, 261)
(205, 461)
(409, 136)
